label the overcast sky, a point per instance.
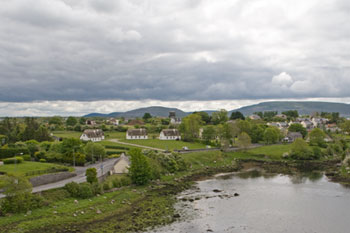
(202, 54)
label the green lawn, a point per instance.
(67, 134)
(118, 135)
(273, 151)
(165, 144)
(26, 166)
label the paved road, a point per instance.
(136, 145)
(79, 178)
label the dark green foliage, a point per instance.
(205, 117)
(106, 186)
(219, 117)
(146, 116)
(39, 155)
(84, 190)
(91, 175)
(237, 115)
(296, 127)
(13, 160)
(72, 188)
(116, 147)
(71, 121)
(10, 152)
(140, 171)
(291, 114)
(271, 135)
(33, 146)
(26, 157)
(42, 160)
(257, 133)
(317, 137)
(301, 151)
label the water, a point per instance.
(266, 203)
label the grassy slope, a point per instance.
(26, 166)
(67, 134)
(164, 144)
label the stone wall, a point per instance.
(50, 178)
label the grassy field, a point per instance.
(273, 151)
(67, 134)
(164, 144)
(26, 166)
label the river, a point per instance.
(271, 203)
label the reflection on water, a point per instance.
(272, 203)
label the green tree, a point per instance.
(219, 117)
(317, 137)
(244, 141)
(94, 151)
(205, 117)
(300, 150)
(271, 135)
(140, 171)
(296, 127)
(190, 127)
(71, 121)
(345, 126)
(146, 116)
(56, 120)
(209, 133)
(237, 115)
(291, 114)
(257, 133)
(244, 126)
(33, 146)
(42, 134)
(91, 175)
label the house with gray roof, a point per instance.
(94, 135)
(170, 134)
(136, 134)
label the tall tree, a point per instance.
(190, 127)
(237, 115)
(147, 116)
(71, 121)
(317, 137)
(296, 127)
(244, 141)
(219, 117)
(140, 170)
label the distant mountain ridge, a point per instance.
(303, 107)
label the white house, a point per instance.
(121, 166)
(170, 134)
(94, 135)
(113, 121)
(136, 134)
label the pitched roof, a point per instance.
(137, 132)
(171, 132)
(93, 133)
(294, 135)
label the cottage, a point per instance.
(90, 122)
(94, 135)
(121, 166)
(113, 121)
(170, 134)
(254, 117)
(136, 134)
(173, 119)
(307, 124)
(292, 136)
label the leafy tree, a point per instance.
(190, 127)
(71, 145)
(317, 137)
(300, 150)
(42, 134)
(291, 114)
(257, 133)
(140, 171)
(56, 120)
(209, 133)
(219, 117)
(11, 129)
(91, 175)
(271, 135)
(345, 126)
(82, 120)
(244, 140)
(237, 115)
(94, 151)
(33, 146)
(71, 121)
(244, 126)
(30, 129)
(205, 117)
(296, 127)
(146, 116)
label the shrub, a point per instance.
(106, 186)
(91, 175)
(97, 188)
(39, 155)
(116, 183)
(42, 160)
(125, 181)
(140, 171)
(72, 188)
(27, 157)
(300, 150)
(10, 152)
(85, 191)
(13, 160)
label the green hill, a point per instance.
(303, 107)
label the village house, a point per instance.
(282, 116)
(307, 124)
(254, 117)
(292, 136)
(136, 134)
(170, 134)
(94, 135)
(173, 119)
(121, 166)
(113, 121)
(90, 122)
(319, 122)
(333, 128)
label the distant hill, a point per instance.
(154, 111)
(303, 107)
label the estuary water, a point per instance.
(263, 203)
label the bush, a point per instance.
(72, 188)
(85, 191)
(10, 152)
(42, 160)
(125, 181)
(13, 160)
(91, 175)
(116, 183)
(27, 158)
(106, 186)
(116, 147)
(39, 155)
(97, 188)
(140, 170)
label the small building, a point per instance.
(136, 122)
(307, 124)
(136, 134)
(90, 122)
(121, 165)
(113, 121)
(170, 134)
(254, 117)
(292, 136)
(94, 135)
(173, 119)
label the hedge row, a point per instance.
(118, 152)
(46, 171)
(10, 152)
(13, 160)
(116, 147)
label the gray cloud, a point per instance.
(174, 50)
